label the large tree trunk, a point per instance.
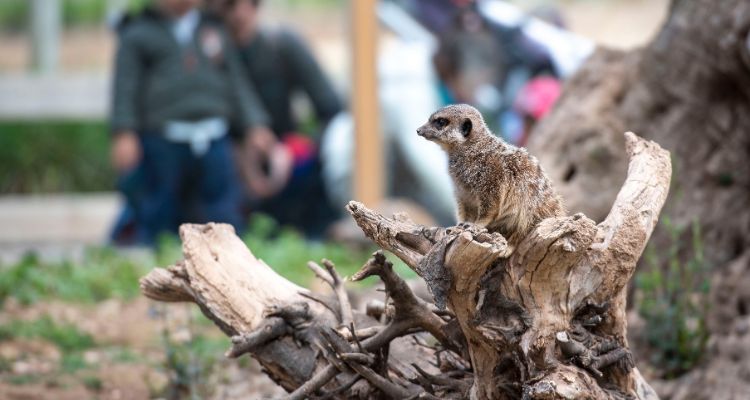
(546, 321)
(689, 90)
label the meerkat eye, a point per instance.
(466, 127)
(440, 123)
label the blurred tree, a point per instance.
(688, 90)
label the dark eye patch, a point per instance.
(440, 123)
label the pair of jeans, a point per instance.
(172, 185)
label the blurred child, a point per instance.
(177, 87)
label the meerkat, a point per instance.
(498, 186)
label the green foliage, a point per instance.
(283, 249)
(316, 4)
(25, 379)
(72, 361)
(14, 14)
(65, 336)
(124, 355)
(92, 382)
(189, 364)
(87, 12)
(288, 252)
(54, 156)
(103, 274)
(674, 301)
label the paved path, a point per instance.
(54, 225)
(78, 96)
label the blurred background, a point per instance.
(72, 323)
(56, 71)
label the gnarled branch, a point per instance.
(545, 321)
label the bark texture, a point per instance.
(688, 90)
(546, 321)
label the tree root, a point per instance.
(544, 320)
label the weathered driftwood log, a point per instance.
(276, 321)
(545, 322)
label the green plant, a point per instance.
(674, 290)
(24, 379)
(72, 362)
(83, 12)
(287, 252)
(189, 364)
(65, 336)
(54, 156)
(14, 14)
(124, 355)
(102, 274)
(92, 382)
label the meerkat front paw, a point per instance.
(464, 225)
(471, 227)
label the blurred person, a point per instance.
(486, 64)
(177, 86)
(488, 51)
(280, 65)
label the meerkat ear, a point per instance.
(466, 127)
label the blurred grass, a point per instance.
(54, 156)
(287, 252)
(105, 273)
(71, 341)
(65, 336)
(190, 365)
(14, 14)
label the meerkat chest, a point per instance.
(474, 174)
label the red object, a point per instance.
(301, 147)
(537, 97)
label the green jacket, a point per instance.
(156, 80)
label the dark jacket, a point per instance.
(156, 80)
(279, 64)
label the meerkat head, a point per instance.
(453, 125)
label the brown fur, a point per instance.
(498, 186)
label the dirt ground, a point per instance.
(129, 359)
